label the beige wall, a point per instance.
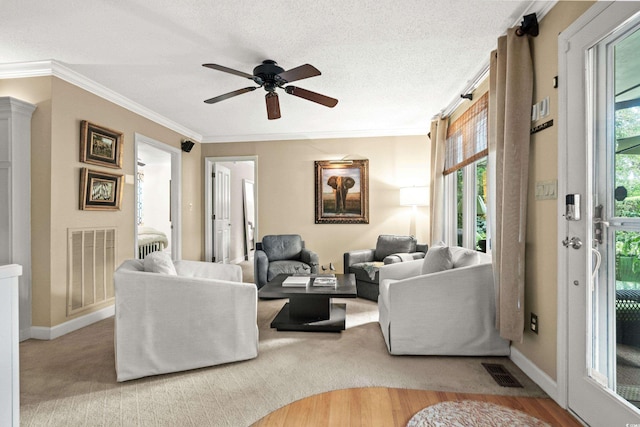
(541, 262)
(541, 259)
(56, 181)
(286, 180)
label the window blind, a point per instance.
(467, 137)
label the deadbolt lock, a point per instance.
(574, 242)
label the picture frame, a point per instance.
(100, 191)
(100, 145)
(342, 192)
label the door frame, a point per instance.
(208, 199)
(569, 85)
(176, 193)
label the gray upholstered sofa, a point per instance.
(284, 253)
(390, 249)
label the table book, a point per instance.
(296, 281)
(326, 281)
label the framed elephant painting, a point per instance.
(342, 192)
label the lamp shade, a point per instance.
(414, 196)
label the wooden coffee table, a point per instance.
(310, 308)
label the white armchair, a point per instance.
(202, 315)
(449, 312)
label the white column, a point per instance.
(15, 197)
(9, 338)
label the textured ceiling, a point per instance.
(392, 65)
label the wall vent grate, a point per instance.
(501, 375)
(91, 258)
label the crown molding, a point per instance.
(26, 69)
(314, 135)
(61, 71)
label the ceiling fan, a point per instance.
(270, 76)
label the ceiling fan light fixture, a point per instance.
(273, 105)
(270, 76)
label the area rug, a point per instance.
(470, 413)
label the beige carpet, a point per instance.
(70, 381)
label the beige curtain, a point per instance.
(438, 139)
(510, 99)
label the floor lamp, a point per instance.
(414, 197)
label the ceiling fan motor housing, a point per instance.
(270, 76)
(266, 73)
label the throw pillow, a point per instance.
(438, 258)
(465, 257)
(159, 262)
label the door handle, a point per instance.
(574, 242)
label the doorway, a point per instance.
(157, 196)
(231, 208)
(599, 163)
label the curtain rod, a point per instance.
(484, 70)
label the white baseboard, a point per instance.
(44, 333)
(25, 334)
(546, 383)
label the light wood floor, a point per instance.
(380, 406)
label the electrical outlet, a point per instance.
(533, 325)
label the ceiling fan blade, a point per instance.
(230, 95)
(311, 96)
(273, 105)
(302, 72)
(228, 70)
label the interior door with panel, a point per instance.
(221, 214)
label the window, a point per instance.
(465, 178)
(467, 137)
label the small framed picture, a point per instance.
(100, 146)
(342, 192)
(100, 191)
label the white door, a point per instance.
(602, 166)
(221, 213)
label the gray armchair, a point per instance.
(364, 263)
(284, 253)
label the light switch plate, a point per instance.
(546, 190)
(543, 109)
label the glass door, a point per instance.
(603, 166)
(617, 285)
